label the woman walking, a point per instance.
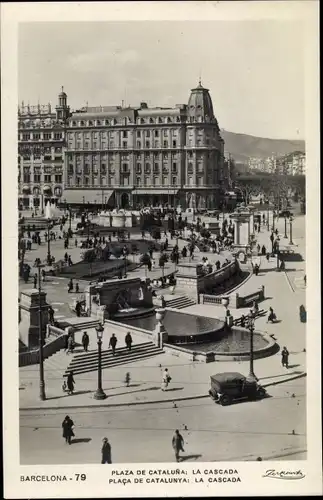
(165, 380)
(70, 383)
(68, 426)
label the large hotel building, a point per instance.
(116, 156)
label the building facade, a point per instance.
(138, 156)
(41, 148)
(115, 156)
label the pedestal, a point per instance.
(30, 303)
(160, 335)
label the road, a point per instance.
(142, 434)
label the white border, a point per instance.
(250, 473)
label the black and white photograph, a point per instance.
(159, 224)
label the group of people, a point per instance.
(68, 427)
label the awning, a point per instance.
(155, 191)
(80, 196)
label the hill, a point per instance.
(243, 146)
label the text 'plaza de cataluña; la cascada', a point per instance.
(116, 156)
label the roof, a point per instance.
(227, 377)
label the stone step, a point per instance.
(84, 365)
(180, 302)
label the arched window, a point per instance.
(107, 122)
(82, 123)
(74, 124)
(142, 121)
(151, 120)
(98, 122)
(90, 123)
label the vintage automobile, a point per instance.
(231, 386)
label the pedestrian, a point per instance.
(243, 321)
(267, 256)
(255, 307)
(68, 426)
(305, 279)
(271, 316)
(128, 340)
(258, 249)
(77, 288)
(43, 274)
(85, 341)
(76, 242)
(127, 379)
(78, 308)
(70, 383)
(165, 380)
(163, 301)
(106, 452)
(35, 280)
(113, 342)
(70, 286)
(70, 345)
(177, 444)
(285, 355)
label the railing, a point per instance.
(212, 299)
(50, 348)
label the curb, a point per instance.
(173, 400)
(113, 405)
(295, 377)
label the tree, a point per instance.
(89, 257)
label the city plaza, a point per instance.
(273, 427)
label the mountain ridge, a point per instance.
(243, 146)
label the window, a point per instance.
(156, 181)
(156, 168)
(86, 181)
(37, 178)
(147, 144)
(57, 135)
(190, 181)
(86, 168)
(125, 169)
(138, 144)
(200, 181)
(138, 181)
(174, 144)
(175, 167)
(90, 123)
(86, 145)
(148, 133)
(47, 178)
(124, 144)
(147, 168)
(98, 122)
(74, 124)
(78, 145)
(103, 168)
(36, 137)
(156, 133)
(58, 150)
(125, 134)
(58, 179)
(25, 137)
(95, 145)
(165, 144)
(107, 122)
(138, 133)
(71, 168)
(190, 168)
(174, 180)
(151, 120)
(138, 168)
(78, 181)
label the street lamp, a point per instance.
(268, 218)
(291, 231)
(42, 393)
(49, 257)
(251, 327)
(277, 251)
(99, 393)
(225, 302)
(285, 235)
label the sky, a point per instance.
(253, 69)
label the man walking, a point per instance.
(85, 341)
(285, 355)
(106, 452)
(113, 343)
(178, 444)
(128, 340)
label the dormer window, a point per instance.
(151, 120)
(82, 123)
(74, 124)
(90, 123)
(142, 121)
(98, 122)
(107, 122)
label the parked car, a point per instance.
(231, 386)
(285, 213)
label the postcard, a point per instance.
(161, 250)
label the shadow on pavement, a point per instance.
(81, 440)
(133, 392)
(294, 366)
(76, 393)
(188, 457)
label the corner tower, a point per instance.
(62, 110)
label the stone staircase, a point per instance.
(88, 361)
(180, 302)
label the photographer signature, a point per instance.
(284, 474)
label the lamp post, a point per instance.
(42, 393)
(285, 235)
(99, 393)
(70, 221)
(49, 257)
(251, 327)
(268, 219)
(277, 251)
(291, 231)
(225, 303)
